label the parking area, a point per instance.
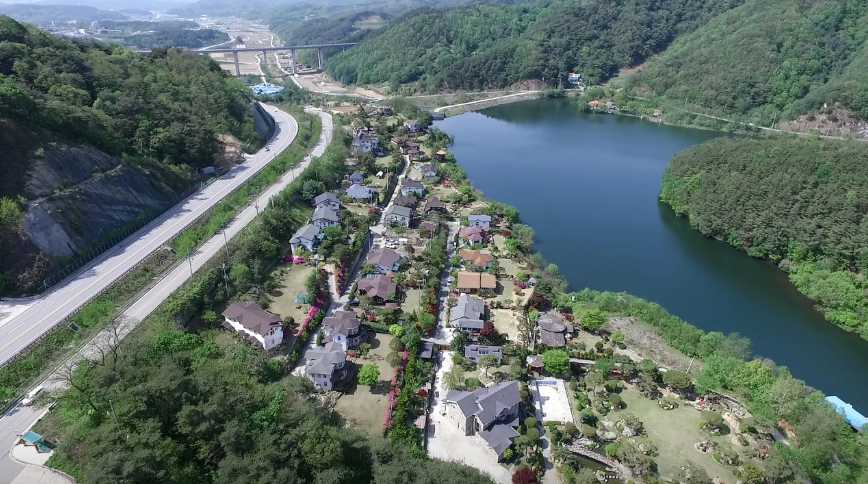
(551, 400)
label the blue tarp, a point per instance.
(853, 417)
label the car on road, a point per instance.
(32, 395)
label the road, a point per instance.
(45, 312)
(20, 418)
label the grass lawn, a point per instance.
(292, 279)
(674, 432)
(500, 243)
(505, 323)
(413, 301)
(362, 406)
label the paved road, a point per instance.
(19, 331)
(18, 419)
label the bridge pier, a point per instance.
(319, 59)
(237, 65)
(292, 61)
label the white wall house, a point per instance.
(255, 323)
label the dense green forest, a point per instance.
(169, 106)
(498, 45)
(179, 407)
(800, 203)
(767, 60)
(73, 110)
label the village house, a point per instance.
(398, 215)
(357, 178)
(476, 259)
(253, 322)
(476, 282)
(326, 366)
(365, 141)
(327, 200)
(474, 352)
(553, 329)
(492, 413)
(412, 187)
(413, 126)
(472, 235)
(380, 288)
(407, 201)
(481, 221)
(468, 315)
(308, 236)
(434, 204)
(343, 329)
(440, 155)
(360, 193)
(427, 229)
(429, 172)
(384, 260)
(324, 217)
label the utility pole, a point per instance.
(190, 261)
(226, 244)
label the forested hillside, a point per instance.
(498, 45)
(800, 203)
(79, 116)
(768, 60)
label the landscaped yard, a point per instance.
(413, 301)
(360, 406)
(283, 300)
(505, 323)
(675, 432)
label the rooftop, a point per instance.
(253, 317)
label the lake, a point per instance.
(588, 185)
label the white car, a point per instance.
(31, 396)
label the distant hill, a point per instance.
(497, 45)
(768, 60)
(45, 15)
(97, 140)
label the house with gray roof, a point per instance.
(343, 329)
(482, 221)
(356, 178)
(475, 352)
(360, 193)
(384, 260)
(308, 236)
(407, 201)
(412, 187)
(325, 366)
(398, 215)
(327, 199)
(324, 217)
(468, 315)
(492, 414)
(429, 172)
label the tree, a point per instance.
(311, 188)
(593, 320)
(556, 362)
(487, 330)
(524, 475)
(396, 330)
(394, 359)
(487, 362)
(677, 380)
(369, 374)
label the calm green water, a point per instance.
(588, 185)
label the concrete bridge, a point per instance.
(292, 49)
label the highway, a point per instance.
(45, 312)
(20, 418)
